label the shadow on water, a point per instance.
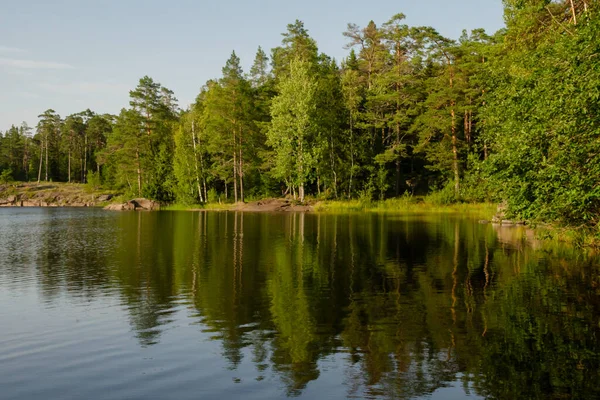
(407, 304)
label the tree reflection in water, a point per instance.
(410, 304)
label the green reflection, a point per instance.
(409, 303)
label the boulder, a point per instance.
(145, 204)
(105, 197)
(135, 204)
(120, 207)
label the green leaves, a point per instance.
(545, 137)
(293, 125)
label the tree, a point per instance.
(229, 122)
(156, 107)
(293, 125)
(439, 121)
(128, 150)
(73, 131)
(49, 133)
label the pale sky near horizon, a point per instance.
(70, 55)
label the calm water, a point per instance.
(178, 305)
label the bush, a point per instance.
(444, 196)
(213, 196)
(6, 177)
(93, 181)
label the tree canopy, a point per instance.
(509, 116)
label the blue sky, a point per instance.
(71, 55)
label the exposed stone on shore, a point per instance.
(135, 205)
(50, 195)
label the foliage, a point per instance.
(506, 117)
(6, 176)
(93, 181)
(542, 118)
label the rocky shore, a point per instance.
(50, 195)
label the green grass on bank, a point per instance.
(398, 205)
(406, 205)
(197, 207)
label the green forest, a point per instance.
(511, 116)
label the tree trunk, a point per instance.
(351, 157)
(196, 162)
(455, 153)
(235, 192)
(466, 123)
(318, 183)
(41, 159)
(300, 171)
(69, 164)
(139, 171)
(46, 158)
(332, 161)
(235, 169)
(453, 130)
(241, 167)
(399, 57)
(85, 159)
(398, 161)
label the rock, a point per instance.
(484, 221)
(507, 222)
(105, 197)
(135, 204)
(118, 207)
(145, 204)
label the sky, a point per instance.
(70, 55)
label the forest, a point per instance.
(511, 116)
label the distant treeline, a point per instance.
(511, 116)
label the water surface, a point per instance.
(180, 305)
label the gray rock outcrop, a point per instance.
(135, 205)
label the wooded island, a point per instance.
(512, 116)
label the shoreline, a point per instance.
(54, 195)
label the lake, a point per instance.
(194, 305)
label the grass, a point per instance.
(196, 207)
(406, 205)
